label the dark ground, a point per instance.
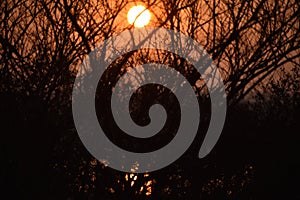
(42, 158)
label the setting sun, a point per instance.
(139, 16)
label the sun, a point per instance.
(139, 16)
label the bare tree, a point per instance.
(43, 42)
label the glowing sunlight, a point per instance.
(139, 16)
